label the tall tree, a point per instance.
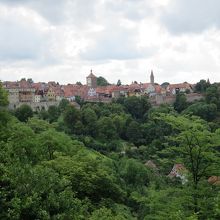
(71, 116)
(137, 106)
(118, 82)
(101, 81)
(89, 119)
(201, 86)
(53, 113)
(3, 103)
(24, 112)
(3, 96)
(194, 146)
(180, 103)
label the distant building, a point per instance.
(214, 180)
(92, 92)
(91, 80)
(179, 171)
(26, 94)
(185, 87)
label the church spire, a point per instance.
(152, 77)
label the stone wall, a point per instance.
(160, 99)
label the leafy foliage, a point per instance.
(111, 161)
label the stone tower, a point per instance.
(91, 80)
(152, 77)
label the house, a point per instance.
(173, 89)
(179, 171)
(119, 91)
(26, 95)
(50, 94)
(92, 92)
(59, 93)
(214, 180)
(70, 91)
(135, 89)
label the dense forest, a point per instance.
(111, 161)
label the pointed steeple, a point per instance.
(152, 77)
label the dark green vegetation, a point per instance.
(66, 163)
(101, 81)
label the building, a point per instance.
(50, 94)
(91, 80)
(26, 94)
(214, 180)
(173, 89)
(179, 171)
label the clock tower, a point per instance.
(91, 80)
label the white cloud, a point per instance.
(124, 39)
(193, 16)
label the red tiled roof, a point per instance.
(91, 75)
(179, 85)
(157, 88)
(177, 169)
(10, 85)
(214, 180)
(75, 90)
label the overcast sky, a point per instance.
(61, 40)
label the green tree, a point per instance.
(38, 125)
(101, 81)
(180, 103)
(194, 146)
(213, 95)
(120, 123)
(201, 86)
(79, 101)
(24, 112)
(63, 105)
(78, 83)
(106, 128)
(165, 84)
(106, 214)
(137, 106)
(118, 83)
(134, 132)
(3, 96)
(53, 113)
(134, 173)
(70, 117)
(3, 103)
(89, 119)
(207, 112)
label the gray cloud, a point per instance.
(52, 10)
(19, 41)
(116, 43)
(130, 9)
(192, 16)
(59, 12)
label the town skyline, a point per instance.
(147, 79)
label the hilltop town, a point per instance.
(41, 95)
